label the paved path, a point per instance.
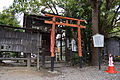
(63, 73)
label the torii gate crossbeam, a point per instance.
(54, 22)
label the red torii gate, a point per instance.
(54, 22)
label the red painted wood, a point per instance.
(79, 41)
(64, 17)
(66, 24)
(53, 38)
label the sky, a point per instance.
(5, 4)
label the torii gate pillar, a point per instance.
(54, 22)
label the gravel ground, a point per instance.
(63, 73)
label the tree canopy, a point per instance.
(108, 10)
(8, 19)
(105, 12)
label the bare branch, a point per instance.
(54, 7)
(50, 7)
(116, 21)
(115, 32)
(115, 15)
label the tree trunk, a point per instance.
(95, 30)
(67, 53)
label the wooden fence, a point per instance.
(20, 41)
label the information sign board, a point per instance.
(98, 40)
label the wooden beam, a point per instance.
(38, 60)
(6, 26)
(53, 44)
(28, 60)
(64, 17)
(16, 58)
(79, 41)
(66, 24)
(53, 38)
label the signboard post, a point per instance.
(98, 42)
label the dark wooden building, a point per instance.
(20, 42)
(113, 46)
(37, 22)
(29, 40)
(34, 38)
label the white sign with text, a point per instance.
(98, 40)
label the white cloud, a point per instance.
(5, 4)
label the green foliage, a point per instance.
(13, 54)
(25, 6)
(9, 54)
(8, 19)
(116, 30)
(109, 12)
